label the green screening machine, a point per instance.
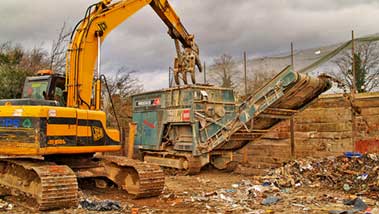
(187, 127)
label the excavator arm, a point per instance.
(186, 60)
(100, 19)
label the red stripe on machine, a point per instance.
(147, 123)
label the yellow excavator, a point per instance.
(49, 137)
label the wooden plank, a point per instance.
(269, 159)
(328, 102)
(367, 111)
(324, 116)
(323, 135)
(307, 154)
(323, 127)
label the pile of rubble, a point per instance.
(251, 196)
(238, 198)
(5, 206)
(106, 205)
(353, 172)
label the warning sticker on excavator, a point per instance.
(18, 112)
(52, 113)
(102, 26)
(97, 133)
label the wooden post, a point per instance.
(292, 58)
(132, 133)
(292, 129)
(245, 71)
(124, 148)
(205, 73)
(292, 124)
(353, 90)
(353, 63)
(169, 77)
(245, 149)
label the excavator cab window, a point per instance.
(48, 87)
(57, 93)
(35, 88)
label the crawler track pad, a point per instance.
(137, 178)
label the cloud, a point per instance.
(260, 27)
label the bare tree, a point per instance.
(57, 57)
(366, 67)
(258, 79)
(11, 54)
(5, 46)
(121, 86)
(224, 71)
(35, 60)
(124, 84)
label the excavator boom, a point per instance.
(99, 21)
(171, 19)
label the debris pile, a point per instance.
(353, 173)
(239, 197)
(107, 205)
(5, 206)
(256, 197)
(358, 206)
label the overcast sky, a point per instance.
(261, 27)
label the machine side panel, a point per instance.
(147, 129)
(18, 129)
(185, 117)
(42, 130)
(213, 112)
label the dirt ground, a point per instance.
(213, 191)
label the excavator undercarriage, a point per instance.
(50, 185)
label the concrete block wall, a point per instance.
(366, 136)
(330, 126)
(324, 128)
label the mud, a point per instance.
(211, 192)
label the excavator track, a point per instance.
(182, 164)
(139, 179)
(50, 186)
(194, 166)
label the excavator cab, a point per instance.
(46, 88)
